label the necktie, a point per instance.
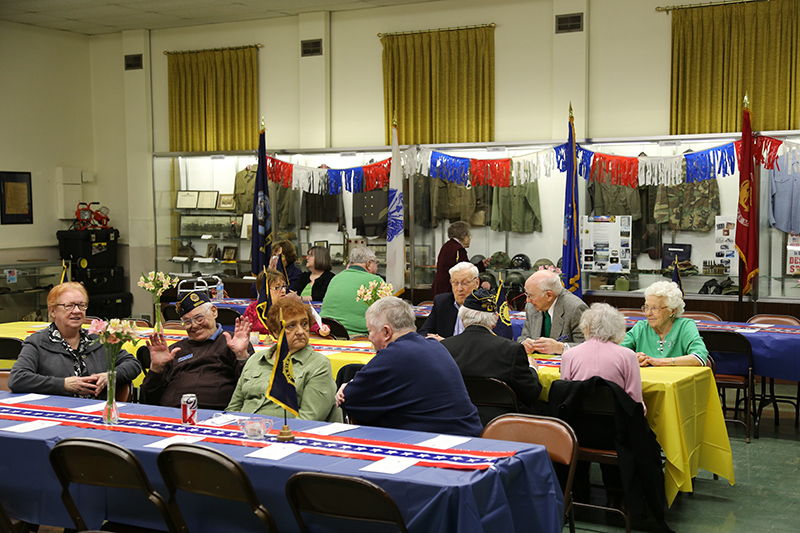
(546, 324)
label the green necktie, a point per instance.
(546, 324)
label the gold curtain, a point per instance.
(440, 85)
(719, 53)
(213, 100)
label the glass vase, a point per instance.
(110, 411)
(158, 322)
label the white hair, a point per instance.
(464, 265)
(361, 254)
(391, 310)
(604, 323)
(470, 317)
(670, 293)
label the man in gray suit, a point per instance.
(553, 315)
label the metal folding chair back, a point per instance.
(344, 497)
(708, 316)
(554, 434)
(492, 397)
(227, 316)
(208, 472)
(782, 320)
(338, 331)
(732, 350)
(100, 463)
(10, 347)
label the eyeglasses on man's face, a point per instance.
(646, 309)
(72, 305)
(195, 320)
(467, 283)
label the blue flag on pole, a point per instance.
(503, 326)
(264, 301)
(262, 226)
(571, 263)
(281, 389)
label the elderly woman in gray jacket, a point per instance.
(61, 359)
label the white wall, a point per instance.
(46, 118)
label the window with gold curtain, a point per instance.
(719, 53)
(213, 99)
(440, 85)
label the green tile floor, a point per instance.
(766, 496)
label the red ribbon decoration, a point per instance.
(279, 171)
(376, 175)
(620, 170)
(494, 172)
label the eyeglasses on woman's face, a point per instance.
(278, 288)
(646, 309)
(83, 306)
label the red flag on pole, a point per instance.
(747, 215)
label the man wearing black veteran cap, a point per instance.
(207, 364)
(479, 353)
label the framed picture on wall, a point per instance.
(186, 200)
(207, 199)
(211, 250)
(324, 244)
(226, 201)
(229, 253)
(16, 198)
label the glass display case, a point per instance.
(524, 221)
(24, 287)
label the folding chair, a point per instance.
(708, 316)
(552, 433)
(10, 347)
(10, 525)
(492, 397)
(105, 464)
(208, 472)
(343, 497)
(227, 316)
(338, 331)
(775, 399)
(732, 350)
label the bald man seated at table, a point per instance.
(552, 315)
(207, 364)
(412, 382)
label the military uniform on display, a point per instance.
(517, 208)
(244, 187)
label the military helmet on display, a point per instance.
(477, 258)
(488, 277)
(514, 279)
(521, 261)
(543, 262)
(499, 261)
(560, 261)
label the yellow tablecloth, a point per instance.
(340, 353)
(684, 412)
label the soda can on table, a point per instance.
(189, 409)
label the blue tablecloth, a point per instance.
(519, 493)
(776, 349)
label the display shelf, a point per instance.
(27, 293)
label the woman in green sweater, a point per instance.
(664, 338)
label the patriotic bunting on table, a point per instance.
(336, 446)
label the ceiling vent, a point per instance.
(569, 23)
(134, 62)
(311, 48)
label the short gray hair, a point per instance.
(464, 265)
(604, 323)
(391, 310)
(550, 281)
(471, 317)
(361, 254)
(459, 230)
(670, 293)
